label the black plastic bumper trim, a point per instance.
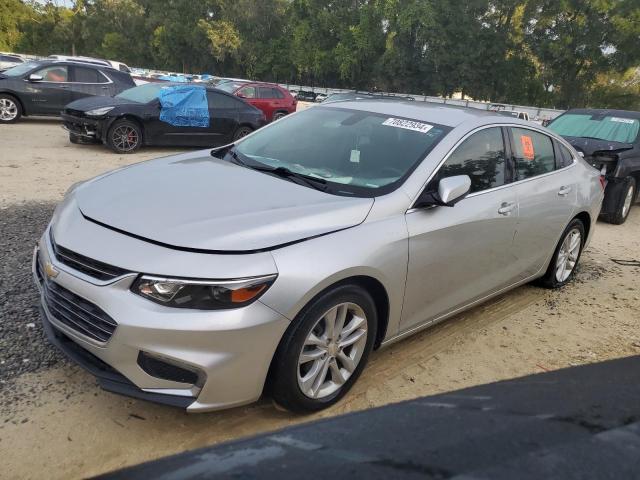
(108, 378)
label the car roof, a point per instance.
(442, 114)
(55, 61)
(605, 112)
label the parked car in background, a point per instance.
(44, 87)
(96, 61)
(321, 97)
(306, 96)
(342, 96)
(272, 99)
(288, 256)
(610, 141)
(134, 118)
(514, 114)
(8, 60)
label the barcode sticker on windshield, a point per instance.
(623, 120)
(408, 125)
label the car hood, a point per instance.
(589, 146)
(93, 102)
(195, 201)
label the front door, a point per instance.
(49, 95)
(463, 253)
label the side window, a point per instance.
(277, 93)
(565, 158)
(533, 153)
(87, 75)
(247, 92)
(265, 92)
(56, 73)
(482, 157)
(217, 100)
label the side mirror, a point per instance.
(35, 78)
(450, 191)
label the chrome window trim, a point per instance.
(517, 182)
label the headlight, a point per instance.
(202, 294)
(98, 112)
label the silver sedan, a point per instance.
(282, 260)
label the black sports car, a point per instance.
(195, 115)
(610, 141)
(44, 87)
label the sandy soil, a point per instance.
(56, 423)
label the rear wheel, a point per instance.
(10, 109)
(278, 115)
(242, 131)
(565, 258)
(625, 201)
(324, 350)
(124, 136)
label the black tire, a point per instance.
(124, 137)
(10, 109)
(284, 387)
(75, 139)
(278, 116)
(622, 213)
(550, 278)
(242, 131)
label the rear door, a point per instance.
(461, 254)
(223, 117)
(270, 101)
(546, 190)
(49, 95)
(89, 81)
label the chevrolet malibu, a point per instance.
(281, 261)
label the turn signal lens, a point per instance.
(202, 294)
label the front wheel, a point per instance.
(10, 109)
(124, 136)
(565, 258)
(324, 350)
(625, 201)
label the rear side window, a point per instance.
(87, 75)
(265, 92)
(218, 100)
(533, 153)
(482, 157)
(565, 158)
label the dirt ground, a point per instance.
(55, 421)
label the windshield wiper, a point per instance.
(282, 172)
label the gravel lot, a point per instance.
(54, 408)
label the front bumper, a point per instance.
(229, 351)
(89, 128)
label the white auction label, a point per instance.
(408, 125)
(623, 120)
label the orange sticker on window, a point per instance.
(527, 147)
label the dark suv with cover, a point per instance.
(610, 141)
(44, 87)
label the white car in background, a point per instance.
(8, 60)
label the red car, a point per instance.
(273, 100)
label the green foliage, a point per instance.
(544, 52)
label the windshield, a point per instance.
(356, 153)
(229, 87)
(609, 128)
(19, 70)
(144, 93)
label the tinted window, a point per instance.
(482, 157)
(218, 100)
(8, 58)
(247, 92)
(265, 92)
(356, 153)
(56, 73)
(277, 93)
(565, 158)
(533, 153)
(87, 75)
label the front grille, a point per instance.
(86, 265)
(77, 313)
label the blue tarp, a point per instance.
(184, 106)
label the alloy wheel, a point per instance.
(568, 255)
(8, 110)
(628, 200)
(125, 138)
(332, 350)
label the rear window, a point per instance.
(602, 127)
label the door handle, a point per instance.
(506, 208)
(564, 191)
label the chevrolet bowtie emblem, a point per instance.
(50, 270)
